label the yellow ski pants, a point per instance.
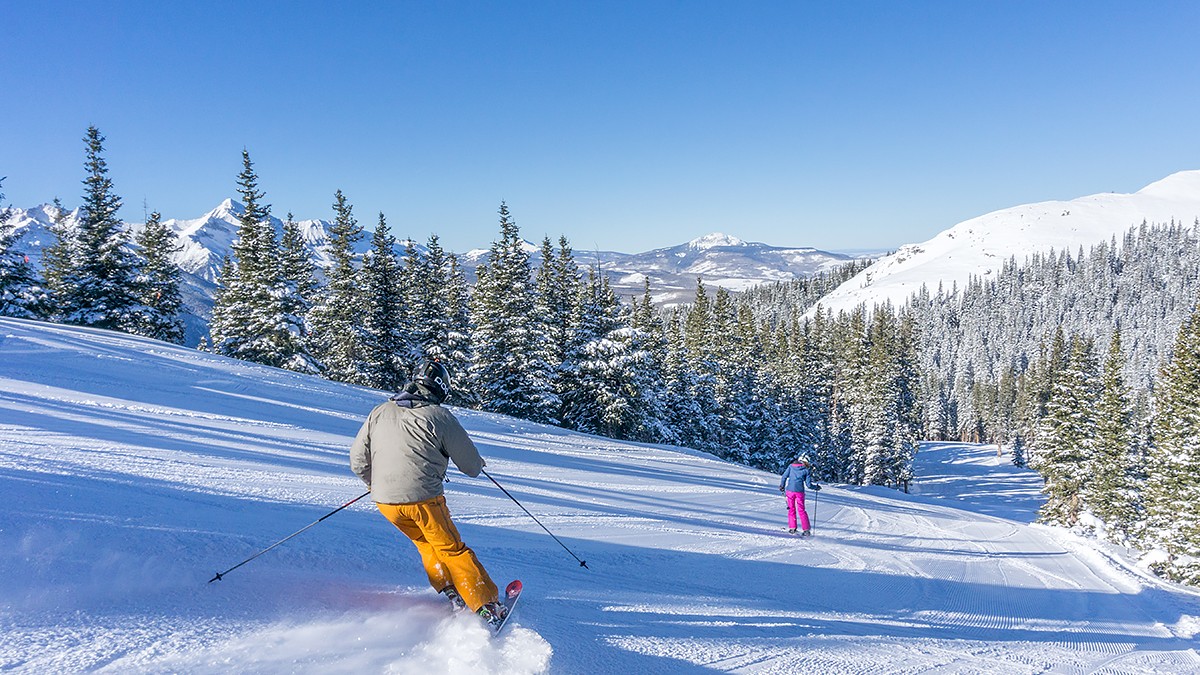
(446, 558)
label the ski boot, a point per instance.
(792, 531)
(493, 614)
(455, 599)
(805, 533)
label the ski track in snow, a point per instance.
(133, 471)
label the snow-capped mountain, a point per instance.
(207, 240)
(719, 259)
(980, 246)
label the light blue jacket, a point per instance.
(796, 477)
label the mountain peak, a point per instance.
(231, 207)
(713, 240)
(1182, 184)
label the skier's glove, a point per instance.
(781, 489)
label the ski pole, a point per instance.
(582, 563)
(813, 526)
(221, 575)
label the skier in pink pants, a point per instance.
(795, 478)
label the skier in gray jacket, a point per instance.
(402, 452)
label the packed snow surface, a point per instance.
(133, 471)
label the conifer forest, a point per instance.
(1082, 365)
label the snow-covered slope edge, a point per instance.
(132, 471)
(979, 246)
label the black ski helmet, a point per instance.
(435, 377)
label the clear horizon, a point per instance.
(624, 126)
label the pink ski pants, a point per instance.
(795, 504)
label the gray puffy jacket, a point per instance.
(402, 450)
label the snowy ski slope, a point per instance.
(132, 471)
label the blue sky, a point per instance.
(624, 125)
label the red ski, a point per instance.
(512, 593)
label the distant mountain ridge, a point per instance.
(980, 246)
(719, 259)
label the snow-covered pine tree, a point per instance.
(158, 283)
(602, 396)
(615, 379)
(58, 261)
(224, 307)
(249, 319)
(432, 308)
(1018, 450)
(1172, 490)
(698, 328)
(1042, 386)
(650, 381)
(815, 375)
(456, 354)
(383, 316)
(1112, 493)
(97, 283)
(852, 409)
(639, 372)
(336, 318)
(1067, 436)
(696, 333)
(22, 294)
(417, 282)
(907, 402)
(590, 319)
(509, 372)
(760, 413)
(881, 443)
(733, 376)
(686, 420)
(297, 275)
(558, 286)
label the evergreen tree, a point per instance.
(592, 399)
(648, 379)
(1018, 450)
(1044, 383)
(558, 287)
(1067, 436)
(418, 288)
(686, 420)
(733, 372)
(383, 342)
(852, 410)
(96, 284)
(759, 414)
(696, 333)
(159, 283)
(1173, 486)
(456, 355)
(250, 319)
(509, 372)
(58, 261)
(298, 278)
(336, 319)
(814, 382)
(431, 311)
(1111, 493)
(882, 425)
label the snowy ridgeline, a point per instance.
(133, 470)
